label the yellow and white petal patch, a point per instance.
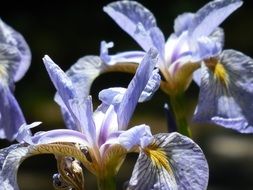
(172, 162)
(158, 157)
(219, 70)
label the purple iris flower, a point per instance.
(15, 58)
(100, 139)
(196, 37)
(195, 48)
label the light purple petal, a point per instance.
(82, 112)
(138, 22)
(112, 96)
(211, 16)
(218, 36)
(84, 72)
(207, 48)
(183, 23)
(228, 104)
(24, 133)
(134, 57)
(10, 159)
(151, 87)
(60, 80)
(135, 88)
(11, 116)
(13, 39)
(189, 168)
(115, 95)
(136, 136)
(54, 136)
(108, 126)
(197, 76)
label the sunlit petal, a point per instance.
(138, 22)
(135, 88)
(174, 162)
(84, 72)
(226, 90)
(211, 16)
(183, 22)
(136, 136)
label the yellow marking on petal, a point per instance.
(218, 70)
(3, 73)
(158, 157)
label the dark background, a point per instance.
(68, 30)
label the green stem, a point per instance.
(178, 106)
(107, 183)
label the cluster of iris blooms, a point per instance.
(99, 139)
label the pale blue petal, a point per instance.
(197, 76)
(228, 105)
(11, 116)
(151, 87)
(138, 22)
(119, 59)
(112, 96)
(218, 36)
(10, 159)
(24, 133)
(10, 37)
(108, 126)
(207, 48)
(189, 168)
(115, 95)
(52, 136)
(135, 88)
(211, 16)
(60, 80)
(82, 112)
(138, 136)
(183, 23)
(84, 72)
(67, 117)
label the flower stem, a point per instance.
(107, 183)
(178, 106)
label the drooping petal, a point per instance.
(8, 177)
(172, 162)
(138, 22)
(136, 136)
(52, 136)
(13, 39)
(135, 88)
(211, 16)
(13, 156)
(226, 92)
(11, 116)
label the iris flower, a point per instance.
(100, 140)
(195, 48)
(15, 58)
